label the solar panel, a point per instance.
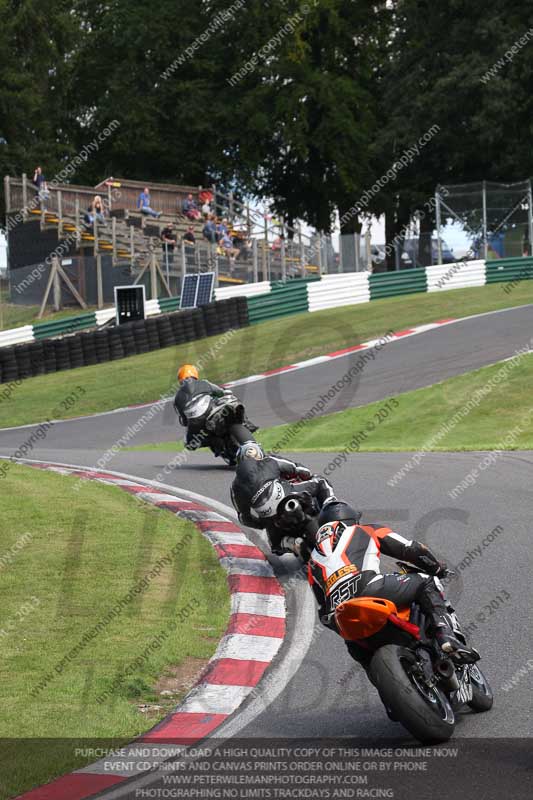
(189, 291)
(205, 288)
(197, 290)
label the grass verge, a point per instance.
(67, 559)
(422, 419)
(144, 378)
(13, 316)
(425, 418)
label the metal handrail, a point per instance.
(248, 211)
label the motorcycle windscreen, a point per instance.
(362, 617)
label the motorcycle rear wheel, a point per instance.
(424, 711)
(482, 697)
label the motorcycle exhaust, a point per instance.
(445, 670)
(292, 506)
(293, 509)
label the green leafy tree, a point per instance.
(36, 44)
(437, 57)
(306, 110)
(150, 70)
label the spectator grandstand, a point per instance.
(113, 229)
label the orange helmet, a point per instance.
(187, 371)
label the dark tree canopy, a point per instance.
(307, 104)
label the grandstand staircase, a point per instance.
(126, 236)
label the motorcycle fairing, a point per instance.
(362, 617)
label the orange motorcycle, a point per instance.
(419, 685)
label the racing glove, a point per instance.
(425, 559)
(194, 441)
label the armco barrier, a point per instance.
(60, 327)
(339, 290)
(392, 284)
(270, 300)
(509, 270)
(57, 327)
(167, 304)
(455, 276)
(284, 299)
(345, 289)
(107, 344)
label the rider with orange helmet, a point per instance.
(190, 386)
(187, 371)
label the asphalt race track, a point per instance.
(324, 693)
(398, 367)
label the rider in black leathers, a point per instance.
(191, 386)
(255, 472)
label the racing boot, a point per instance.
(432, 603)
(444, 634)
(449, 642)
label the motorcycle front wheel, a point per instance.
(482, 697)
(423, 710)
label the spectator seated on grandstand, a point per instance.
(143, 204)
(276, 244)
(190, 208)
(209, 231)
(241, 241)
(226, 245)
(95, 212)
(222, 228)
(39, 181)
(246, 248)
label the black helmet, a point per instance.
(338, 511)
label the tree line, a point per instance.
(310, 103)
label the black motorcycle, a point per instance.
(219, 423)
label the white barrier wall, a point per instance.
(103, 315)
(17, 336)
(345, 289)
(243, 290)
(456, 276)
(151, 308)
